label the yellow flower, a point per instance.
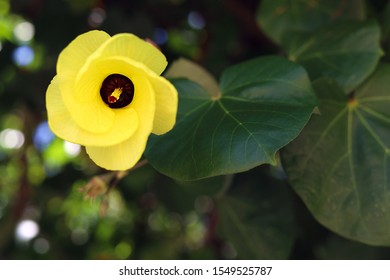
(108, 96)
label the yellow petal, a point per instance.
(144, 100)
(91, 114)
(132, 47)
(88, 84)
(62, 124)
(74, 56)
(122, 156)
(125, 155)
(166, 98)
(83, 99)
(166, 105)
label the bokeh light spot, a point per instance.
(71, 149)
(23, 55)
(41, 246)
(43, 136)
(24, 31)
(155, 221)
(26, 230)
(79, 236)
(11, 138)
(160, 36)
(123, 250)
(196, 20)
(96, 17)
(195, 230)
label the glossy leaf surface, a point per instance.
(347, 53)
(263, 105)
(339, 165)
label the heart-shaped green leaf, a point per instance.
(263, 105)
(347, 53)
(256, 217)
(285, 21)
(340, 165)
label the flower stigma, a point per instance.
(117, 91)
(114, 95)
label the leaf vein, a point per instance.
(259, 144)
(374, 114)
(351, 167)
(322, 135)
(193, 137)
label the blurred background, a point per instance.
(43, 213)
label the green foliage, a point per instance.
(262, 105)
(252, 169)
(346, 52)
(286, 22)
(338, 164)
(347, 189)
(256, 216)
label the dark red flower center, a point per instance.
(117, 91)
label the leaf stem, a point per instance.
(227, 183)
(119, 175)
